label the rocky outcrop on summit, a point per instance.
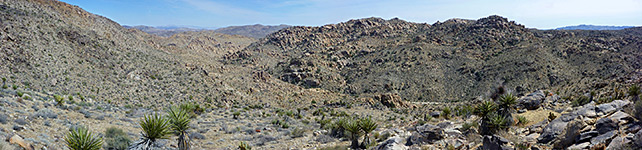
(452, 60)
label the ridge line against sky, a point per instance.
(542, 14)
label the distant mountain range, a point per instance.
(254, 31)
(593, 27)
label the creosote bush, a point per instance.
(81, 139)
(116, 139)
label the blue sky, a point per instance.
(543, 14)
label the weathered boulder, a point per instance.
(604, 109)
(571, 135)
(426, 134)
(533, 100)
(16, 139)
(393, 143)
(619, 142)
(584, 145)
(637, 139)
(605, 125)
(603, 138)
(494, 142)
(587, 136)
(555, 128)
(621, 117)
(391, 100)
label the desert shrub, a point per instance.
(465, 110)
(20, 93)
(116, 139)
(244, 146)
(81, 139)
(580, 101)
(59, 100)
(236, 114)
(4, 86)
(521, 120)
(192, 108)
(467, 126)
(338, 127)
(446, 112)
(496, 122)
(634, 91)
(298, 132)
(324, 123)
(15, 87)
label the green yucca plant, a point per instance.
(179, 121)
(367, 125)
(81, 139)
(507, 101)
(521, 120)
(496, 122)
(485, 108)
(155, 127)
(352, 126)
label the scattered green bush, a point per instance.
(81, 139)
(580, 101)
(634, 91)
(236, 114)
(15, 87)
(244, 146)
(467, 126)
(116, 139)
(496, 123)
(298, 132)
(20, 94)
(192, 108)
(59, 100)
(521, 120)
(446, 112)
(4, 86)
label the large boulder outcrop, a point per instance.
(533, 100)
(426, 134)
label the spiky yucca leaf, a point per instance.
(367, 125)
(485, 108)
(179, 119)
(81, 139)
(507, 101)
(155, 127)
